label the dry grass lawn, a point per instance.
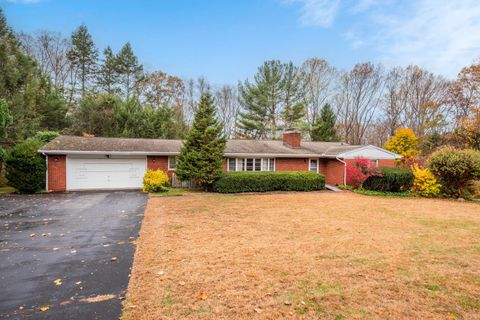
(306, 256)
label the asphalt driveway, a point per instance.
(67, 256)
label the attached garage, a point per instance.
(86, 173)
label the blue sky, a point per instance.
(226, 41)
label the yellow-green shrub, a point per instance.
(155, 181)
(424, 184)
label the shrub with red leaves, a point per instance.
(358, 171)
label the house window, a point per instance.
(251, 164)
(232, 164)
(172, 162)
(313, 167)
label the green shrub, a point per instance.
(45, 136)
(455, 170)
(268, 181)
(390, 180)
(25, 167)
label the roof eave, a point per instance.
(119, 153)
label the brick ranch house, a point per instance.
(89, 163)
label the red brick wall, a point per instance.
(159, 162)
(57, 173)
(334, 172)
(387, 163)
(291, 164)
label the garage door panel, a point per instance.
(105, 173)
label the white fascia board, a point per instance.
(119, 153)
(270, 155)
(388, 154)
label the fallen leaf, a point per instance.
(99, 298)
(44, 308)
(57, 282)
(113, 259)
(202, 295)
(252, 274)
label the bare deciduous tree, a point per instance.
(226, 100)
(358, 99)
(160, 89)
(319, 79)
(49, 49)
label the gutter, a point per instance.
(176, 153)
(344, 170)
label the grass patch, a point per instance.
(329, 255)
(172, 192)
(432, 287)
(7, 190)
(402, 194)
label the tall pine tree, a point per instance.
(323, 128)
(128, 68)
(294, 108)
(262, 101)
(83, 56)
(107, 75)
(201, 157)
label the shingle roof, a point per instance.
(74, 144)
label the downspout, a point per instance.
(46, 171)
(344, 170)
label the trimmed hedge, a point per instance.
(264, 181)
(25, 167)
(390, 180)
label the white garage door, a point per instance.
(105, 173)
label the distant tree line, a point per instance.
(52, 83)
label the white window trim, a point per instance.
(241, 162)
(310, 164)
(168, 163)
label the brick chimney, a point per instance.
(292, 138)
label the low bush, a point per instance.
(358, 171)
(25, 167)
(155, 181)
(268, 181)
(455, 170)
(390, 180)
(424, 184)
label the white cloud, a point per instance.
(319, 13)
(440, 35)
(443, 36)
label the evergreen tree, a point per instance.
(128, 68)
(201, 157)
(293, 109)
(96, 115)
(107, 76)
(262, 101)
(31, 99)
(83, 55)
(6, 118)
(323, 128)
